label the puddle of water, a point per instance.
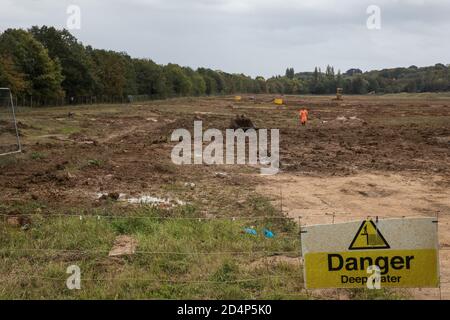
(146, 199)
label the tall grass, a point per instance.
(175, 258)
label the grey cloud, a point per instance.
(257, 37)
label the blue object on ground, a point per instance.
(268, 233)
(251, 231)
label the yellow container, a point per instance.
(237, 98)
(278, 102)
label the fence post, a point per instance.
(439, 254)
(301, 251)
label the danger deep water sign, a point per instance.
(339, 255)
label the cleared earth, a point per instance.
(384, 156)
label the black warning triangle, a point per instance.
(368, 237)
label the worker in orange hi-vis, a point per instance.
(303, 116)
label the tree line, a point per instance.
(47, 63)
(354, 81)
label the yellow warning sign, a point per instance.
(368, 237)
(398, 268)
(396, 253)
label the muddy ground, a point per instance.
(367, 155)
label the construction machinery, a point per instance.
(339, 93)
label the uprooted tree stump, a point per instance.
(242, 122)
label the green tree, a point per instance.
(339, 80)
(110, 73)
(150, 78)
(359, 85)
(373, 85)
(199, 84)
(261, 85)
(290, 73)
(75, 63)
(31, 59)
(12, 78)
(178, 83)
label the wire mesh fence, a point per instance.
(9, 134)
(28, 101)
(258, 253)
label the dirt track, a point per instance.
(364, 156)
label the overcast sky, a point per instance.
(255, 37)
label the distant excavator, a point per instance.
(339, 93)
